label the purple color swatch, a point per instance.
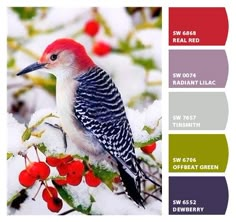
(198, 68)
(198, 195)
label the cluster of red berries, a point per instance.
(41, 171)
(100, 48)
(148, 149)
(50, 196)
(70, 172)
(34, 171)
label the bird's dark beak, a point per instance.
(31, 68)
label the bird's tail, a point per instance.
(132, 185)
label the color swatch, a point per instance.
(198, 110)
(198, 195)
(198, 26)
(198, 153)
(202, 68)
(198, 68)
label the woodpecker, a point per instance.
(91, 109)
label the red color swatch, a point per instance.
(198, 26)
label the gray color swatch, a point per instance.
(197, 110)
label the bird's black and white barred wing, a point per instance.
(100, 110)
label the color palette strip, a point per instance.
(197, 111)
(198, 26)
(198, 153)
(198, 68)
(198, 195)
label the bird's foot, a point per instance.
(56, 126)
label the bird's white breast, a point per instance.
(65, 96)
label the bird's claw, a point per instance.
(56, 126)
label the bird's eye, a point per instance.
(53, 57)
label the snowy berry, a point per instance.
(117, 179)
(63, 166)
(26, 179)
(101, 48)
(40, 170)
(75, 168)
(91, 28)
(62, 169)
(48, 193)
(73, 180)
(56, 161)
(53, 161)
(66, 159)
(149, 148)
(60, 181)
(44, 170)
(54, 204)
(91, 179)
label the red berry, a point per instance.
(117, 179)
(73, 180)
(66, 159)
(62, 169)
(49, 193)
(101, 48)
(149, 148)
(26, 179)
(75, 172)
(32, 169)
(91, 28)
(76, 168)
(53, 161)
(44, 170)
(91, 179)
(60, 182)
(54, 204)
(40, 170)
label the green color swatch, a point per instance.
(197, 153)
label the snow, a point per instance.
(128, 77)
(39, 206)
(80, 194)
(149, 117)
(146, 37)
(38, 115)
(15, 27)
(155, 207)
(153, 114)
(120, 28)
(30, 104)
(52, 137)
(15, 166)
(15, 130)
(44, 99)
(158, 152)
(154, 76)
(119, 204)
(49, 20)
